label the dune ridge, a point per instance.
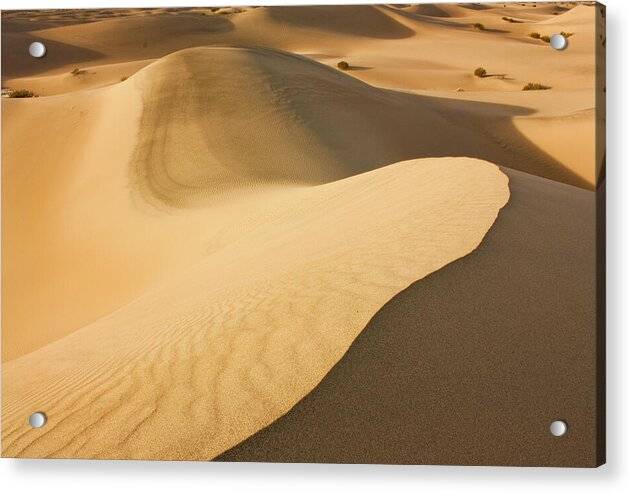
(243, 322)
(325, 125)
(396, 367)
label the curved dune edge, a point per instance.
(474, 374)
(196, 366)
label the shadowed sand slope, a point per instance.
(351, 20)
(109, 40)
(461, 368)
(194, 366)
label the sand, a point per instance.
(211, 213)
(417, 389)
(419, 49)
(158, 143)
(191, 368)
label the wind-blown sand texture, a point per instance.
(401, 359)
(212, 213)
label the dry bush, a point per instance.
(480, 72)
(22, 93)
(535, 86)
(343, 65)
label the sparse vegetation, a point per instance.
(535, 86)
(480, 72)
(565, 35)
(545, 38)
(229, 10)
(478, 26)
(77, 71)
(22, 93)
(124, 78)
(510, 19)
(343, 65)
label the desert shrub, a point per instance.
(510, 19)
(535, 86)
(124, 78)
(77, 71)
(545, 39)
(343, 65)
(535, 35)
(565, 35)
(22, 93)
(479, 26)
(229, 10)
(480, 72)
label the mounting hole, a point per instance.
(37, 49)
(558, 428)
(558, 41)
(37, 420)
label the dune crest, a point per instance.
(195, 366)
(257, 116)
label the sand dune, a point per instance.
(292, 122)
(91, 77)
(259, 323)
(350, 20)
(81, 207)
(557, 134)
(396, 368)
(581, 15)
(319, 115)
(386, 46)
(432, 10)
(101, 42)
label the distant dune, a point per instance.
(408, 48)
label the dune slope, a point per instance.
(306, 122)
(193, 367)
(426, 379)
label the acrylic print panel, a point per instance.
(365, 234)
